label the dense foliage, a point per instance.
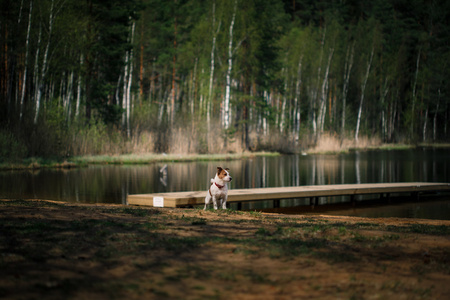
(109, 76)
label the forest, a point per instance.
(214, 76)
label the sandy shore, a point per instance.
(56, 250)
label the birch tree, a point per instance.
(212, 63)
(226, 101)
(315, 89)
(79, 82)
(414, 95)
(436, 114)
(384, 89)
(43, 72)
(127, 81)
(346, 81)
(275, 68)
(323, 94)
(297, 110)
(27, 43)
(363, 89)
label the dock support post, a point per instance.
(353, 200)
(314, 201)
(386, 197)
(276, 203)
(239, 206)
(415, 196)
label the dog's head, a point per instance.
(224, 174)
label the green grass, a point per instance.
(395, 147)
(124, 159)
(199, 221)
(40, 163)
(152, 157)
(421, 228)
(435, 145)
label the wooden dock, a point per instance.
(186, 199)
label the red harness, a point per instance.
(218, 185)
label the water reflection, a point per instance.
(111, 184)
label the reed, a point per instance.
(329, 143)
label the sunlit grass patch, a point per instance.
(139, 212)
(146, 158)
(395, 147)
(227, 275)
(198, 221)
(30, 203)
(285, 243)
(421, 228)
(257, 277)
(262, 232)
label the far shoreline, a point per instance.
(126, 159)
(34, 163)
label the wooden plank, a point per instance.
(177, 199)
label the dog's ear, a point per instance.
(226, 169)
(219, 169)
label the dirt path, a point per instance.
(67, 251)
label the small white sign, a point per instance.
(158, 202)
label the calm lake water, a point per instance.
(112, 184)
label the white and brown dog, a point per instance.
(218, 191)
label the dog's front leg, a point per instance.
(224, 202)
(214, 199)
(207, 199)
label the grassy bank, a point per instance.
(327, 145)
(81, 161)
(152, 157)
(34, 163)
(73, 251)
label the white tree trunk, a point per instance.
(68, 97)
(414, 91)
(392, 115)
(435, 115)
(383, 94)
(127, 77)
(124, 91)
(264, 119)
(211, 74)
(323, 94)
(347, 72)
(226, 104)
(20, 12)
(363, 88)
(297, 115)
(315, 93)
(283, 114)
(24, 81)
(446, 122)
(193, 93)
(424, 133)
(40, 86)
(36, 64)
(77, 106)
(130, 80)
(283, 104)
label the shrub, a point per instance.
(11, 148)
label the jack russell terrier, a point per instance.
(218, 191)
